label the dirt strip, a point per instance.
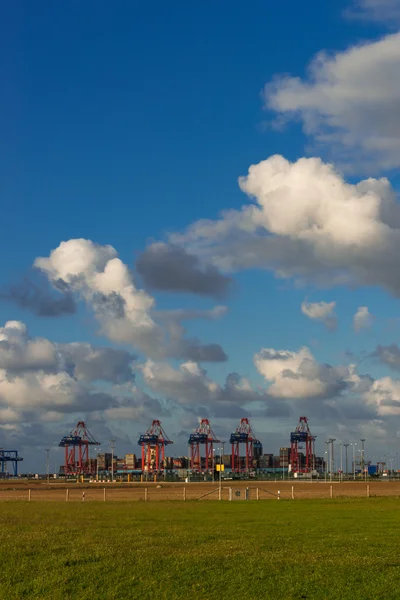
(260, 490)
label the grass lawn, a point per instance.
(347, 549)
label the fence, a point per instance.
(195, 492)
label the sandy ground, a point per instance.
(41, 491)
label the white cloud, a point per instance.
(307, 223)
(30, 391)
(89, 363)
(350, 100)
(187, 384)
(43, 381)
(180, 314)
(362, 319)
(321, 311)
(388, 355)
(381, 11)
(19, 353)
(337, 393)
(9, 416)
(190, 386)
(33, 399)
(106, 283)
(137, 406)
(385, 395)
(125, 313)
(299, 375)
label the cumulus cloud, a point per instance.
(321, 311)
(125, 313)
(39, 299)
(294, 381)
(89, 363)
(306, 223)
(191, 388)
(43, 381)
(45, 385)
(385, 395)
(138, 406)
(180, 346)
(170, 268)
(388, 355)
(41, 390)
(299, 375)
(105, 282)
(380, 11)
(343, 393)
(350, 101)
(362, 319)
(178, 315)
(19, 353)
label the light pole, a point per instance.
(347, 464)
(362, 440)
(47, 465)
(97, 450)
(188, 471)
(221, 452)
(332, 461)
(326, 460)
(313, 457)
(341, 461)
(213, 464)
(354, 459)
(112, 459)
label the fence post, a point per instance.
(368, 491)
(83, 496)
(279, 495)
(104, 494)
(292, 492)
(331, 492)
(29, 495)
(145, 494)
(67, 495)
(257, 494)
(184, 493)
(230, 493)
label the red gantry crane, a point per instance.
(202, 436)
(153, 443)
(244, 435)
(76, 446)
(301, 439)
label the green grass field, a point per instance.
(348, 549)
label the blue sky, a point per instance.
(122, 125)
